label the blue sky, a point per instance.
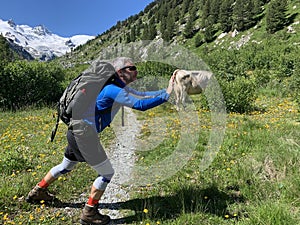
(70, 17)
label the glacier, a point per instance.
(38, 41)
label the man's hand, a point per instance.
(171, 84)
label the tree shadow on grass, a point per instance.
(187, 200)
(290, 19)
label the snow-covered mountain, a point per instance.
(38, 41)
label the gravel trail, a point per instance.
(122, 156)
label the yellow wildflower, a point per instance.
(146, 211)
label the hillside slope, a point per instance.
(253, 43)
(189, 23)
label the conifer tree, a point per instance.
(258, 7)
(163, 11)
(209, 31)
(188, 29)
(276, 15)
(149, 32)
(185, 6)
(205, 12)
(145, 35)
(128, 38)
(133, 34)
(225, 15)
(152, 29)
(239, 12)
(163, 26)
(167, 26)
(214, 10)
(243, 14)
(250, 14)
(193, 12)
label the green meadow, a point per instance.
(254, 178)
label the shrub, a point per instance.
(30, 83)
(239, 94)
(294, 84)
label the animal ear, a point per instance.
(175, 72)
(186, 76)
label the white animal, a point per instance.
(189, 83)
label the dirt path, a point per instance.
(122, 156)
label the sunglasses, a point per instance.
(131, 68)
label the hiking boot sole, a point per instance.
(30, 200)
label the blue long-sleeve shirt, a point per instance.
(113, 96)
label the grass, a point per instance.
(254, 179)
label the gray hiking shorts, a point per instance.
(84, 144)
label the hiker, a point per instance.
(83, 140)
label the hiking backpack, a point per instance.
(82, 92)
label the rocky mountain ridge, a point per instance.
(38, 42)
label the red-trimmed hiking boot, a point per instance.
(91, 216)
(39, 194)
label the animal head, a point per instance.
(182, 76)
